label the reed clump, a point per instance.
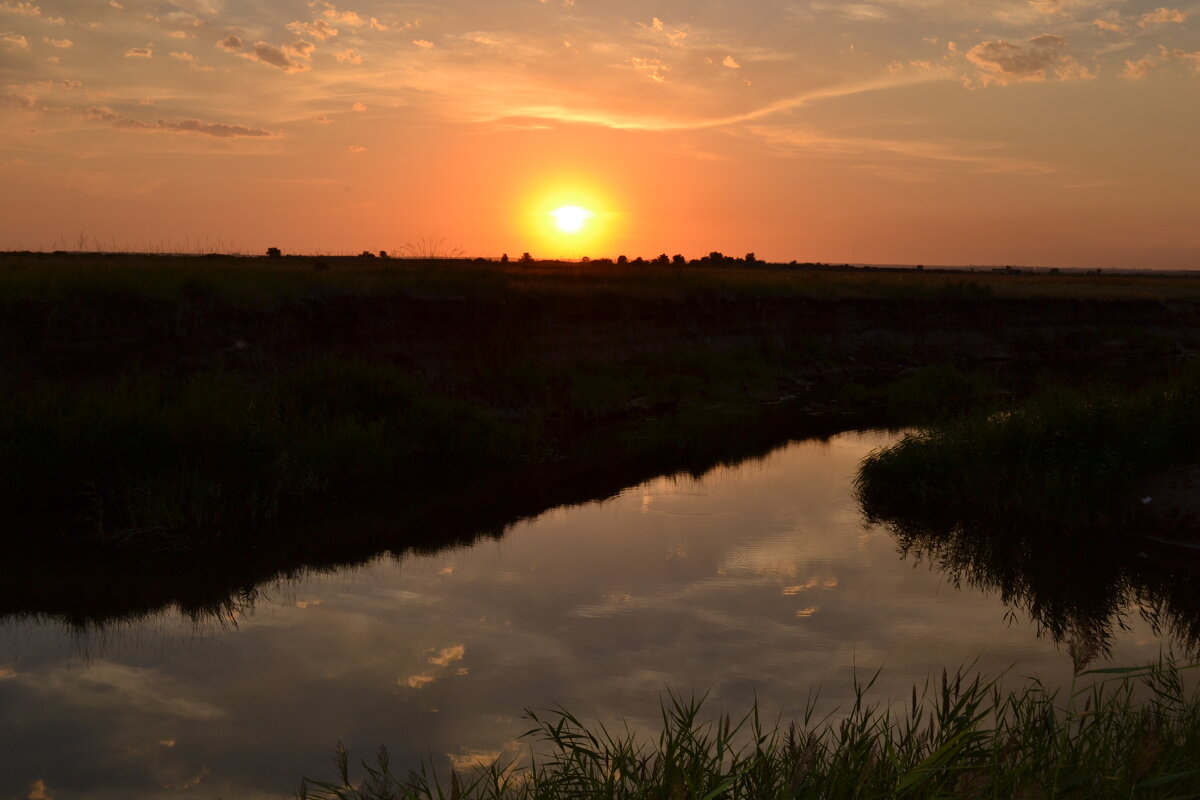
(1065, 461)
(1129, 732)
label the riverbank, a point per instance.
(167, 404)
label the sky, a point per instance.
(982, 132)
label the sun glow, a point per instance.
(571, 219)
(571, 216)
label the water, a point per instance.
(754, 581)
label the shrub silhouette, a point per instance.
(274, 252)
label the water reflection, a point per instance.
(759, 581)
(88, 588)
(1082, 587)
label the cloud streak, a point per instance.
(219, 130)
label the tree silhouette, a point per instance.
(274, 252)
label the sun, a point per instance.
(568, 216)
(571, 219)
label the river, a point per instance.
(759, 580)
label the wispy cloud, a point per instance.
(218, 130)
(1161, 16)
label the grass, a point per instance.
(148, 460)
(165, 401)
(1113, 733)
(1066, 461)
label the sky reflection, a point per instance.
(756, 581)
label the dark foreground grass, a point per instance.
(1129, 733)
(1065, 461)
(161, 403)
(163, 460)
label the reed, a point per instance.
(1112, 733)
(1068, 460)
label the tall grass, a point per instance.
(173, 461)
(1069, 460)
(1113, 733)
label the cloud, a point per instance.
(181, 18)
(59, 43)
(319, 29)
(417, 681)
(652, 68)
(180, 35)
(359, 106)
(356, 149)
(106, 686)
(448, 655)
(324, 120)
(219, 130)
(731, 63)
(860, 12)
(376, 25)
(1161, 16)
(1004, 62)
(288, 59)
(1135, 70)
(526, 115)
(14, 40)
(1053, 8)
(424, 43)
(1140, 68)
(347, 18)
(470, 759)
(675, 36)
(190, 60)
(14, 100)
(1110, 26)
(348, 57)
(25, 9)
(139, 52)
(230, 43)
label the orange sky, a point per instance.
(1048, 132)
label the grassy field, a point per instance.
(1113, 733)
(161, 403)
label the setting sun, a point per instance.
(571, 219)
(570, 215)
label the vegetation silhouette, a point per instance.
(157, 408)
(91, 587)
(1047, 503)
